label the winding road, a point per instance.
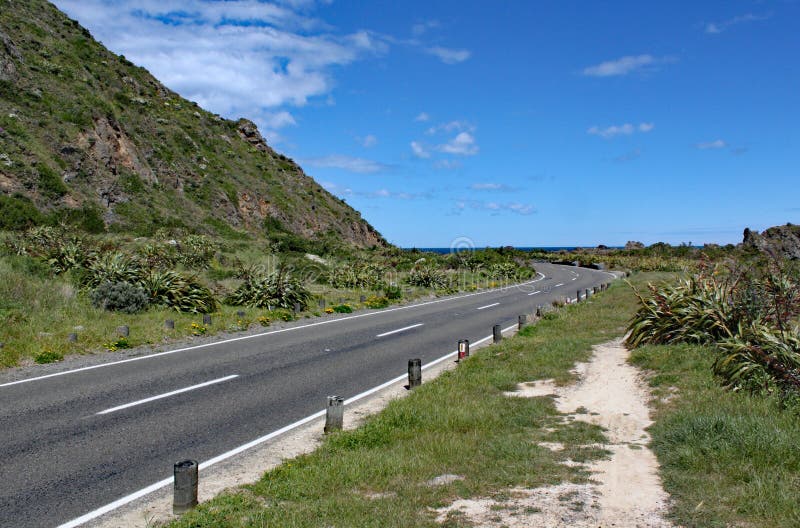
(74, 442)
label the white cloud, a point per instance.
(620, 130)
(449, 55)
(463, 145)
(278, 120)
(625, 65)
(715, 28)
(710, 145)
(234, 57)
(490, 186)
(348, 163)
(452, 126)
(422, 117)
(368, 141)
(447, 164)
(495, 208)
(422, 27)
(419, 150)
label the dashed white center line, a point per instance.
(534, 293)
(400, 330)
(488, 306)
(574, 278)
(168, 394)
(559, 284)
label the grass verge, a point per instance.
(728, 459)
(460, 424)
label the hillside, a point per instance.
(87, 137)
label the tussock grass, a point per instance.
(728, 458)
(461, 424)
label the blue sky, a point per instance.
(524, 123)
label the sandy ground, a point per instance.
(625, 490)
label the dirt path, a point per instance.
(626, 490)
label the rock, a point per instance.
(633, 244)
(443, 480)
(248, 131)
(780, 242)
(8, 55)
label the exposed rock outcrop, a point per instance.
(780, 242)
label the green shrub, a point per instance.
(376, 302)
(48, 356)
(120, 297)
(18, 212)
(362, 275)
(50, 183)
(112, 267)
(343, 308)
(279, 289)
(427, 277)
(196, 251)
(184, 294)
(393, 293)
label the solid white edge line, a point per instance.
(94, 514)
(168, 394)
(400, 330)
(487, 306)
(262, 334)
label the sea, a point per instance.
(446, 250)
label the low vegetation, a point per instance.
(728, 458)
(55, 281)
(746, 312)
(723, 350)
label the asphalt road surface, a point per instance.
(72, 443)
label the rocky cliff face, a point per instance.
(782, 242)
(82, 129)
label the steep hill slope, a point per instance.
(88, 137)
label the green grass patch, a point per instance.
(461, 423)
(728, 458)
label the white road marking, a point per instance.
(574, 278)
(487, 306)
(534, 293)
(94, 514)
(262, 334)
(168, 394)
(400, 330)
(559, 284)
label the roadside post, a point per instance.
(184, 486)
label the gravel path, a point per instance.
(625, 490)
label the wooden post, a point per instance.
(241, 313)
(587, 293)
(497, 333)
(206, 319)
(521, 320)
(322, 304)
(72, 338)
(578, 297)
(334, 414)
(184, 486)
(124, 330)
(362, 298)
(414, 373)
(539, 313)
(169, 324)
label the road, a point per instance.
(77, 441)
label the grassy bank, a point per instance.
(728, 459)
(460, 424)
